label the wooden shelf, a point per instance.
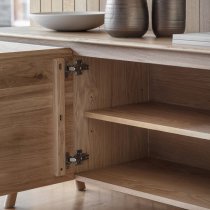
(161, 117)
(156, 180)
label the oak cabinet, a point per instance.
(145, 126)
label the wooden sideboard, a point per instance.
(141, 112)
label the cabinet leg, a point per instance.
(10, 201)
(80, 186)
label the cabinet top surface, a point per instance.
(96, 37)
(13, 49)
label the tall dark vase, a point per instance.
(126, 18)
(168, 17)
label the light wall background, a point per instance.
(5, 13)
(198, 15)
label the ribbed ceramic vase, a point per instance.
(168, 17)
(126, 18)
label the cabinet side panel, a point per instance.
(27, 125)
(109, 83)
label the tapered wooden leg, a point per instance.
(80, 186)
(10, 201)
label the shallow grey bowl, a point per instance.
(69, 21)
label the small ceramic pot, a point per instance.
(168, 17)
(126, 18)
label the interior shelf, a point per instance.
(161, 117)
(160, 181)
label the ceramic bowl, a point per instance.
(71, 21)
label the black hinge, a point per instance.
(78, 67)
(76, 159)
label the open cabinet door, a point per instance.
(36, 114)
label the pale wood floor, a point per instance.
(65, 197)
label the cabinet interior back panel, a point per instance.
(110, 83)
(180, 149)
(198, 17)
(186, 87)
(180, 86)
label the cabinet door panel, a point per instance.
(27, 124)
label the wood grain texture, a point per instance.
(68, 5)
(180, 86)
(113, 85)
(35, 6)
(193, 16)
(27, 123)
(46, 5)
(80, 5)
(57, 5)
(180, 149)
(205, 15)
(93, 5)
(59, 116)
(185, 87)
(10, 201)
(69, 131)
(160, 181)
(160, 117)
